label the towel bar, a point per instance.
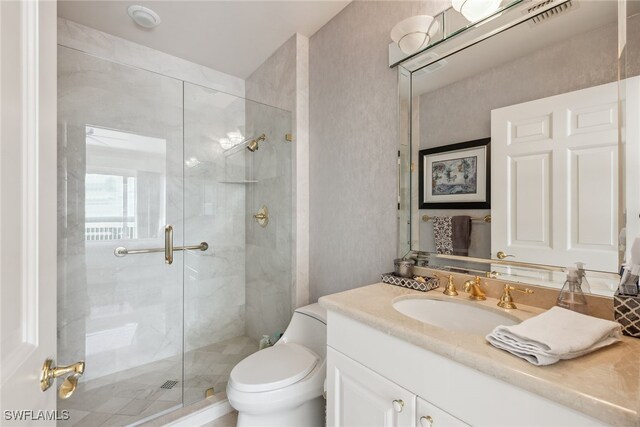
(486, 218)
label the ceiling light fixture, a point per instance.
(415, 33)
(144, 16)
(475, 10)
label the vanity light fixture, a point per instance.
(144, 16)
(415, 33)
(475, 10)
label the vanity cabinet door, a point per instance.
(429, 415)
(359, 397)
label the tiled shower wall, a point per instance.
(116, 313)
(108, 304)
(273, 288)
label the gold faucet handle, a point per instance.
(524, 291)
(450, 289)
(506, 300)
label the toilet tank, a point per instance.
(308, 327)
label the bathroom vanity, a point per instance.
(401, 371)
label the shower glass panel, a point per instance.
(120, 180)
(240, 289)
(138, 151)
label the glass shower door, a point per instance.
(120, 184)
(238, 197)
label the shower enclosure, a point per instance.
(166, 279)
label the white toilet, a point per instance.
(282, 386)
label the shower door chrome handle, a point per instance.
(168, 244)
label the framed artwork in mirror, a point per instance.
(456, 176)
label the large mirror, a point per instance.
(522, 149)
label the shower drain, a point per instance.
(169, 384)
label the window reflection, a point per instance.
(124, 185)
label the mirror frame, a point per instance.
(507, 18)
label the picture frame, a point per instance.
(456, 176)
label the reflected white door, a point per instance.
(555, 179)
(630, 100)
(27, 208)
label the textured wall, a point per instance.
(354, 146)
(577, 63)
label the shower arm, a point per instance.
(244, 144)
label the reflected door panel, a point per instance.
(555, 179)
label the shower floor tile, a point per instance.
(129, 396)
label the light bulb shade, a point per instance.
(415, 33)
(475, 10)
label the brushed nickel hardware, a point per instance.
(426, 421)
(398, 405)
(255, 143)
(288, 137)
(122, 251)
(70, 383)
(486, 218)
(168, 244)
(451, 287)
(503, 255)
(472, 287)
(506, 300)
(262, 217)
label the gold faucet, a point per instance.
(450, 289)
(472, 287)
(506, 300)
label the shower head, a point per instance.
(255, 143)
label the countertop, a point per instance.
(604, 384)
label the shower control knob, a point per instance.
(398, 404)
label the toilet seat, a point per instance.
(273, 368)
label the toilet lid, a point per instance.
(273, 368)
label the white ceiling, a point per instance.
(234, 37)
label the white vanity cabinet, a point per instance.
(360, 397)
(429, 415)
(375, 379)
(364, 398)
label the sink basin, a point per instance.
(454, 315)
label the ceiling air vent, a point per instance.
(549, 13)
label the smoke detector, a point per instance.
(144, 16)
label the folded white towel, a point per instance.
(554, 335)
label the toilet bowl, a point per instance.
(283, 385)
